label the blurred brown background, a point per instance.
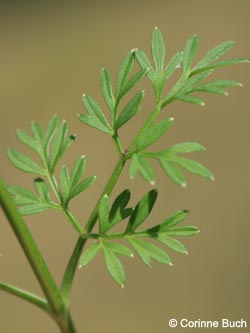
(51, 53)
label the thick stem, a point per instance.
(31, 251)
(73, 261)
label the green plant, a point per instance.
(57, 192)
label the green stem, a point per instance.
(73, 261)
(31, 251)
(26, 295)
(73, 220)
(56, 306)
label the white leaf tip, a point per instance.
(122, 285)
(183, 184)
(134, 50)
(132, 255)
(240, 84)
(152, 182)
(171, 118)
(186, 252)
(171, 264)
(156, 28)
(80, 266)
(202, 104)
(212, 178)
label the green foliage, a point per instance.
(139, 240)
(52, 191)
(49, 148)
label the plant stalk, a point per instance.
(73, 261)
(26, 295)
(31, 251)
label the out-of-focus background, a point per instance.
(51, 53)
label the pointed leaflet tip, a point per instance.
(80, 266)
(186, 252)
(171, 119)
(122, 285)
(156, 28)
(134, 50)
(212, 178)
(184, 185)
(202, 104)
(171, 264)
(152, 182)
(240, 84)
